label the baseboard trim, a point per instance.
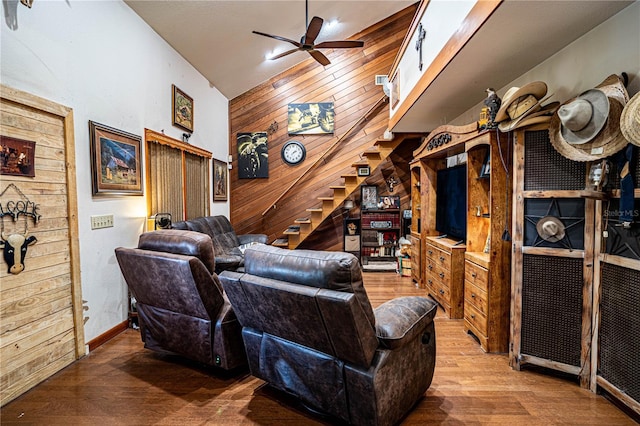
(107, 335)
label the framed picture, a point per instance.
(220, 179)
(115, 161)
(253, 155)
(389, 202)
(369, 197)
(364, 171)
(17, 157)
(182, 107)
(310, 118)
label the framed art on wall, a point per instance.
(17, 157)
(115, 161)
(220, 179)
(253, 155)
(310, 118)
(182, 107)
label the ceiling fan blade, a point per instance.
(313, 30)
(280, 55)
(295, 43)
(345, 44)
(318, 56)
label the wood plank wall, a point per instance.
(41, 329)
(348, 82)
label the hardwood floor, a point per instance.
(121, 383)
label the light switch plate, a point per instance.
(101, 221)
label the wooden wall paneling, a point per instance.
(348, 82)
(41, 308)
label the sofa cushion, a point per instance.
(180, 242)
(400, 320)
(322, 269)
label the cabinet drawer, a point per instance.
(439, 287)
(438, 257)
(476, 297)
(476, 275)
(476, 319)
(440, 275)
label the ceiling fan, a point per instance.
(306, 43)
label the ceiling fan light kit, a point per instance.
(307, 41)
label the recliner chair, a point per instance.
(309, 330)
(182, 308)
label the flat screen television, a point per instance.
(451, 202)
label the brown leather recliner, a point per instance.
(182, 308)
(309, 330)
(229, 246)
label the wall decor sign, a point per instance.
(220, 179)
(253, 155)
(310, 118)
(115, 161)
(364, 171)
(17, 157)
(182, 109)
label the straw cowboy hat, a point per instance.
(518, 101)
(543, 115)
(587, 127)
(550, 228)
(630, 120)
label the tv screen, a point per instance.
(451, 202)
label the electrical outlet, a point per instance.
(101, 221)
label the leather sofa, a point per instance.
(229, 246)
(309, 330)
(182, 308)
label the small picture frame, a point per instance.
(17, 157)
(364, 171)
(368, 197)
(182, 107)
(115, 161)
(220, 180)
(389, 202)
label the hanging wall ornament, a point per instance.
(15, 244)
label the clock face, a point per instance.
(293, 152)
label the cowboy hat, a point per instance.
(605, 143)
(583, 117)
(543, 115)
(630, 120)
(521, 100)
(550, 228)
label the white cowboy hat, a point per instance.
(543, 115)
(583, 117)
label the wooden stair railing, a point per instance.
(365, 117)
(303, 227)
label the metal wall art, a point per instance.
(14, 245)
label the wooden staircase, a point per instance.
(372, 157)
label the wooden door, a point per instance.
(41, 326)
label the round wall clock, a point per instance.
(293, 152)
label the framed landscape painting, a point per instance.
(115, 161)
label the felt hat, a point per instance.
(630, 120)
(583, 118)
(550, 228)
(543, 115)
(518, 101)
(604, 143)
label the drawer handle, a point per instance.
(430, 282)
(473, 275)
(473, 316)
(441, 291)
(430, 252)
(441, 274)
(473, 296)
(441, 258)
(430, 267)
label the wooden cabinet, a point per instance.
(444, 274)
(474, 285)
(415, 234)
(380, 232)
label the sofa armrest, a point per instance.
(253, 238)
(400, 320)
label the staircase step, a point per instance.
(302, 220)
(281, 242)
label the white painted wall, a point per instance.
(102, 60)
(610, 48)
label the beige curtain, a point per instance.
(196, 184)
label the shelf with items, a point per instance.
(380, 235)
